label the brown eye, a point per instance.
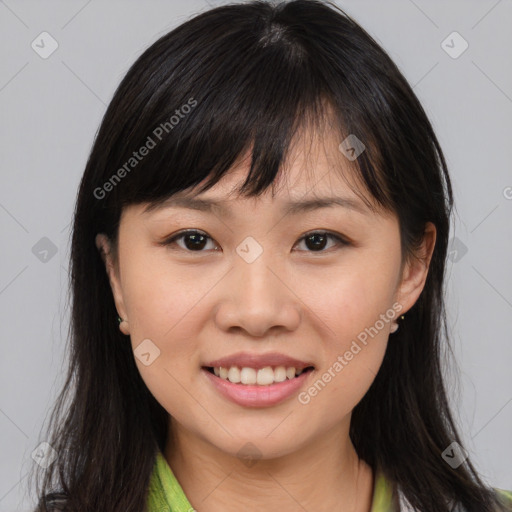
(317, 241)
(196, 241)
(193, 241)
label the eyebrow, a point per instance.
(289, 208)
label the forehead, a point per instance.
(315, 172)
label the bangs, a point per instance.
(196, 106)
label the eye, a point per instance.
(195, 241)
(317, 240)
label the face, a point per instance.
(266, 289)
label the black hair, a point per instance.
(240, 77)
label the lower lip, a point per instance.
(257, 396)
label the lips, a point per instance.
(258, 395)
(258, 361)
(257, 380)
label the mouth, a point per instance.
(266, 376)
(265, 386)
(258, 380)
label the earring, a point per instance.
(394, 326)
(123, 328)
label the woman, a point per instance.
(280, 331)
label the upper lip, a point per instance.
(257, 361)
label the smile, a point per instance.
(252, 394)
(253, 376)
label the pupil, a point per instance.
(316, 245)
(195, 237)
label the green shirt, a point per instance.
(166, 494)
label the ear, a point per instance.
(415, 271)
(104, 246)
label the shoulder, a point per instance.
(504, 496)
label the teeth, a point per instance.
(280, 374)
(290, 373)
(251, 376)
(265, 376)
(234, 375)
(247, 375)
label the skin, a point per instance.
(305, 302)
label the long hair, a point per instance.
(236, 77)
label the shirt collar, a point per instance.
(165, 492)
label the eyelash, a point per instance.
(172, 240)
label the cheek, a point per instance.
(349, 298)
(165, 309)
(162, 298)
(354, 304)
(351, 362)
(162, 310)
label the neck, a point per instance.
(324, 475)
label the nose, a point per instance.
(256, 298)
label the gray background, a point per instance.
(51, 109)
